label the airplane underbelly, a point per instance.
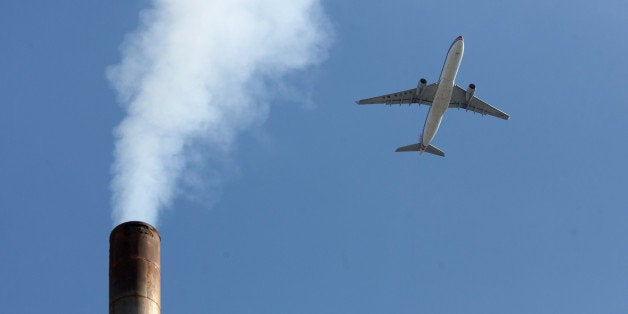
(435, 116)
(432, 123)
(443, 93)
(431, 126)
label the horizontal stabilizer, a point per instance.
(409, 148)
(418, 147)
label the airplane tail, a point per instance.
(418, 147)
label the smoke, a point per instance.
(197, 71)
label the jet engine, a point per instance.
(470, 92)
(421, 87)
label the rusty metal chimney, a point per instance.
(134, 269)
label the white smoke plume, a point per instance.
(192, 73)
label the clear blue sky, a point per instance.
(318, 214)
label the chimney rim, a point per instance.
(135, 223)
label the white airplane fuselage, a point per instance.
(443, 92)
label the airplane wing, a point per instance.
(404, 97)
(459, 100)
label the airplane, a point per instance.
(440, 96)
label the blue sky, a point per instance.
(315, 212)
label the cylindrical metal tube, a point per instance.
(134, 269)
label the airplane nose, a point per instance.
(459, 38)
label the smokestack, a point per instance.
(134, 269)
